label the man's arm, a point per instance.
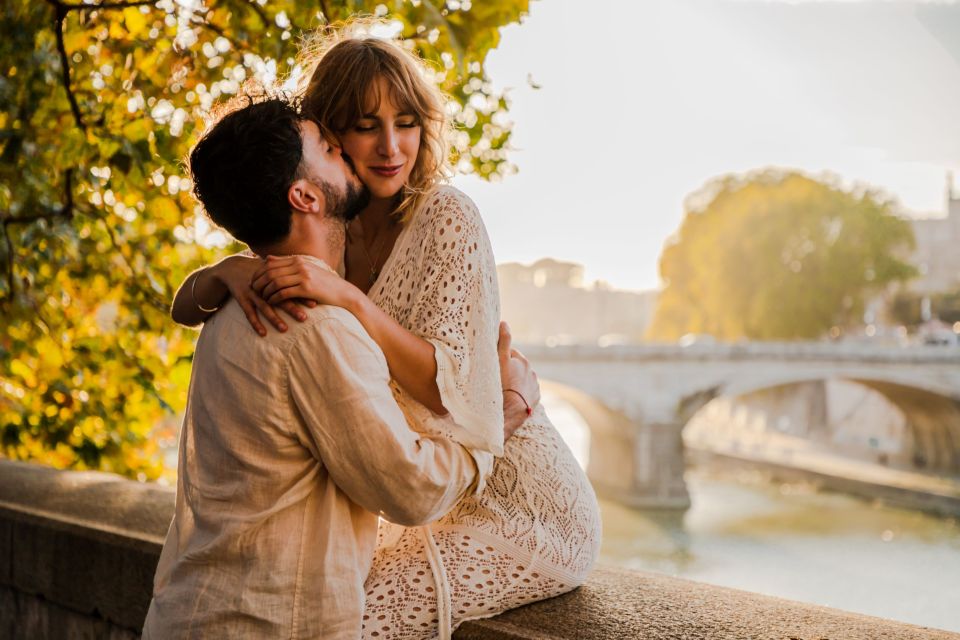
(339, 384)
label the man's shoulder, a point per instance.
(324, 323)
(230, 328)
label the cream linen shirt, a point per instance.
(291, 445)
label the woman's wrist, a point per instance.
(209, 287)
(220, 271)
(199, 300)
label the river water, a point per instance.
(788, 540)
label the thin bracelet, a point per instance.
(529, 410)
(193, 294)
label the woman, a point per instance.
(420, 277)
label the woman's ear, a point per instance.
(305, 197)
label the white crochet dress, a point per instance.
(533, 531)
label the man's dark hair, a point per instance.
(243, 166)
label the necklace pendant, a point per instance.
(374, 274)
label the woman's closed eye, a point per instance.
(364, 127)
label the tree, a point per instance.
(778, 255)
(99, 101)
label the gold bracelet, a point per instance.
(529, 409)
(193, 294)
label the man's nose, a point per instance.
(388, 142)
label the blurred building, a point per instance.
(938, 249)
(549, 302)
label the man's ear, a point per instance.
(305, 197)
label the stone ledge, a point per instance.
(83, 543)
(78, 552)
(617, 604)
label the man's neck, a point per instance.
(324, 241)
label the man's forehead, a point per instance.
(309, 130)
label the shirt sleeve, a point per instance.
(338, 381)
(457, 309)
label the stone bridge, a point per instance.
(636, 399)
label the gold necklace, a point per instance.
(374, 270)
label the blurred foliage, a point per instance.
(99, 101)
(778, 255)
(906, 307)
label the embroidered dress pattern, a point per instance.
(532, 530)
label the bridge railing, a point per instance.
(845, 351)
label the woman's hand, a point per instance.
(280, 279)
(521, 380)
(236, 273)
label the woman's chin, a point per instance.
(384, 189)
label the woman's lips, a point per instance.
(387, 171)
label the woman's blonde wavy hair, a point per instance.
(342, 63)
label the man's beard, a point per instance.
(344, 205)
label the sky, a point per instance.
(642, 102)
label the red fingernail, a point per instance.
(283, 327)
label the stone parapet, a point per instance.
(833, 352)
(78, 551)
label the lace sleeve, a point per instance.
(458, 311)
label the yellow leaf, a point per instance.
(137, 130)
(164, 210)
(18, 368)
(135, 21)
(74, 39)
(117, 32)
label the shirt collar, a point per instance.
(317, 261)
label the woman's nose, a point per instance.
(388, 142)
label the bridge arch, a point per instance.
(932, 416)
(651, 391)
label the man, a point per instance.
(291, 443)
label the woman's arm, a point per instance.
(411, 359)
(209, 287)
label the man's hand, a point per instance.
(517, 375)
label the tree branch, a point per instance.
(62, 11)
(257, 9)
(326, 11)
(203, 24)
(103, 5)
(6, 236)
(66, 211)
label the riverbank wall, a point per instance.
(937, 495)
